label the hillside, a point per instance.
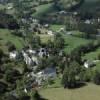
(91, 5)
(67, 4)
(50, 50)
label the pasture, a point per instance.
(6, 36)
(72, 42)
(42, 9)
(88, 92)
(92, 55)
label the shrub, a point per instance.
(96, 78)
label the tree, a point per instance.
(96, 78)
(1, 55)
(11, 72)
(87, 75)
(58, 41)
(88, 29)
(3, 87)
(36, 96)
(71, 24)
(9, 97)
(11, 46)
(71, 75)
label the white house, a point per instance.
(87, 22)
(50, 33)
(13, 54)
(31, 51)
(25, 90)
(27, 59)
(88, 64)
(62, 12)
(46, 25)
(10, 6)
(34, 59)
(42, 52)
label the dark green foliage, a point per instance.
(71, 75)
(96, 78)
(9, 97)
(12, 75)
(11, 46)
(3, 87)
(58, 42)
(89, 30)
(1, 55)
(87, 75)
(35, 41)
(36, 96)
(8, 21)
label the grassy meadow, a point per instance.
(92, 55)
(88, 92)
(72, 42)
(6, 36)
(42, 9)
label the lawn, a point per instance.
(6, 36)
(43, 9)
(92, 55)
(89, 92)
(72, 42)
(56, 27)
(45, 38)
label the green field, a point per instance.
(72, 42)
(56, 27)
(45, 38)
(92, 55)
(43, 9)
(89, 92)
(6, 36)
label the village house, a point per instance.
(88, 64)
(13, 55)
(9, 6)
(50, 33)
(43, 75)
(87, 21)
(27, 59)
(46, 25)
(43, 52)
(49, 72)
(30, 58)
